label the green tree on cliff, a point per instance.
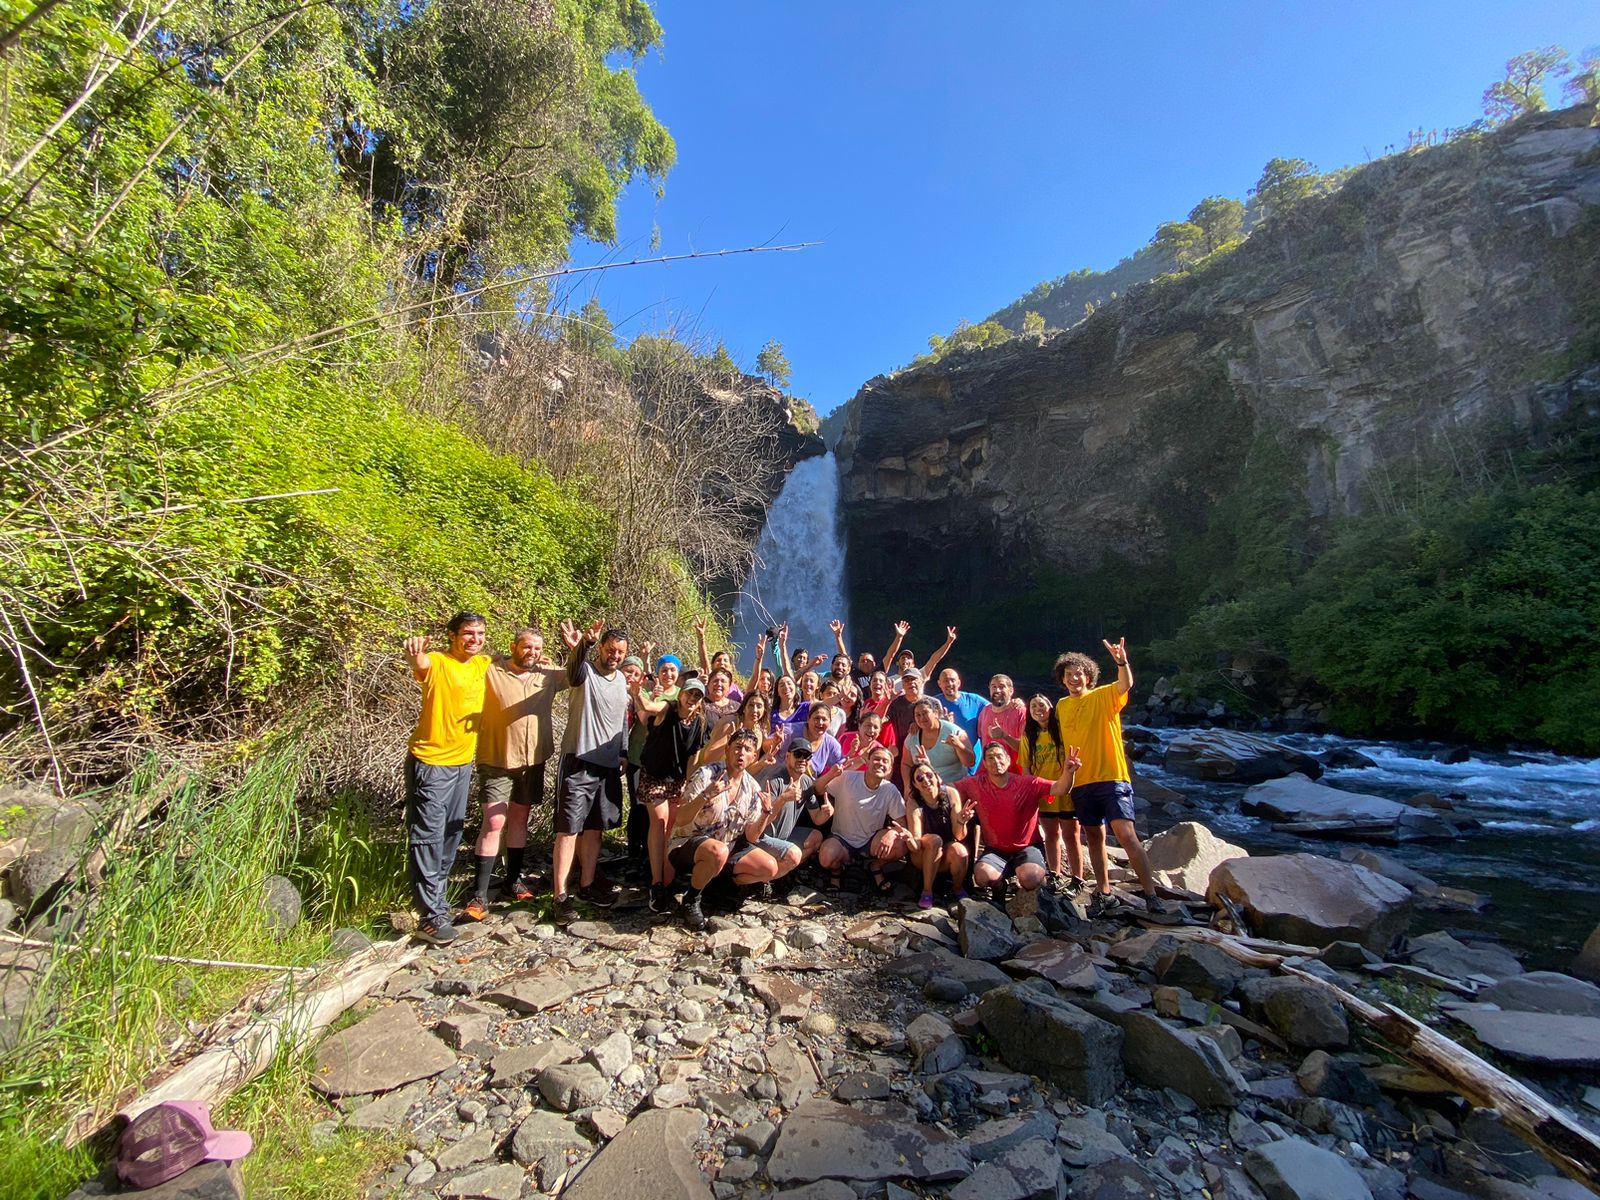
(1220, 221)
(590, 330)
(1184, 240)
(1584, 85)
(774, 364)
(720, 363)
(1522, 90)
(1284, 183)
(1032, 324)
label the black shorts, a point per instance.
(590, 797)
(1103, 803)
(1007, 864)
(516, 785)
(682, 855)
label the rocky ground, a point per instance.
(839, 1046)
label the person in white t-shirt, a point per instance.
(867, 813)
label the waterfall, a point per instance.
(799, 568)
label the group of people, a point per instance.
(861, 764)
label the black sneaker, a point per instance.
(660, 898)
(1108, 904)
(1076, 884)
(601, 895)
(437, 933)
(563, 911)
(766, 892)
(997, 895)
(693, 916)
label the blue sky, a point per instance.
(950, 156)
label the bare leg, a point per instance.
(657, 843)
(955, 857)
(1030, 877)
(709, 860)
(494, 820)
(1128, 839)
(561, 861)
(588, 856)
(928, 855)
(1068, 832)
(1096, 834)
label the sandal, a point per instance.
(879, 884)
(835, 881)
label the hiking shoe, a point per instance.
(926, 900)
(660, 898)
(997, 895)
(475, 909)
(436, 933)
(601, 895)
(518, 892)
(693, 916)
(1076, 884)
(1107, 904)
(563, 911)
(1163, 911)
(766, 892)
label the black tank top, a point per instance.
(669, 746)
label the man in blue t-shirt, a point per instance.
(962, 708)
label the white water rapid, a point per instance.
(799, 570)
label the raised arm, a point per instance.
(930, 667)
(838, 636)
(578, 642)
(901, 628)
(783, 650)
(416, 649)
(646, 706)
(1119, 655)
(962, 745)
(1069, 772)
(700, 640)
(755, 667)
(853, 763)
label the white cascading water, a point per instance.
(799, 569)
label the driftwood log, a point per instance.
(1548, 1129)
(219, 1070)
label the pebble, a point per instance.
(819, 1024)
(472, 1111)
(421, 1173)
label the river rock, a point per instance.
(388, 1049)
(45, 836)
(1229, 756)
(1065, 964)
(1296, 798)
(573, 1085)
(1303, 1014)
(1188, 853)
(994, 1138)
(613, 1055)
(1311, 900)
(977, 975)
(1293, 1169)
(1544, 991)
(986, 932)
(784, 998)
(280, 904)
(1386, 866)
(1346, 758)
(520, 1065)
(503, 1181)
(652, 1159)
(936, 1044)
(545, 1137)
(1537, 1038)
(1159, 1055)
(1203, 970)
(1030, 1170)
(535, 991)
(827, 1140)
(1040, 1033)
(1444, 955)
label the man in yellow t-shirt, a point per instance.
(439, 765)
(1090, 717)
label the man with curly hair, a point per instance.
(1090, 716)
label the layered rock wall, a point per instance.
(1440, 306)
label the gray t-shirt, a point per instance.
(786, 818)
(597, 711)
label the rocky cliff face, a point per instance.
(1438, 307)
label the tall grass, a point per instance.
(106, 1014)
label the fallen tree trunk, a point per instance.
(1548, 1129)
(218, 1071)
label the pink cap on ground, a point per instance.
(163, 1142)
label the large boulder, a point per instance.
(1311, 900)
(1544, 991)
(986, 932)
(1188, 853)
(1293, 1169)
(1042, 1034)
(1228, 756)
(1537, 1038)
(1303, 1014)
(1160, 1055)
(1587, 964)
(652, 1159)
(826, 1140)
(1444, 955)
(1296, 798)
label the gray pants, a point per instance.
(436, 811)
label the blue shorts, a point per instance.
(1103, 803)
(775, 846)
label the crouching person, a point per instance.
(866, 810)
(721, 803)
(787, 835)
(1007, 805)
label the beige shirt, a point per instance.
(516, 728)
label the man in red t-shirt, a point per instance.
(1008, 815)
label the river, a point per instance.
(1536, 853)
